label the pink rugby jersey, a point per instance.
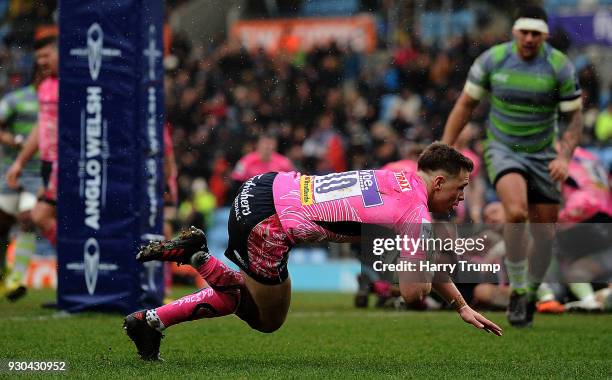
(48, 95)
(592, 194)
(396, 200)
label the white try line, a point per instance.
(295, 314)
(353, 314)
(34, 318)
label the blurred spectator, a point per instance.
(197, 209)
(603, 126)
(264, 159)
(325, 147)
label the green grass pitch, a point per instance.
(323, 337)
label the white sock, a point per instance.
(517, 273)
(154, 321)
(545, 293)
(583, 290)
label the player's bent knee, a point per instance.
(268, 323)
(269, 328)
(25, 221)
(37, 216)
(415, 292)
(517, 214)
(42, 214)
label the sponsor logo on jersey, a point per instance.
(402, 181)
(244, 196)
(369, 188)
(239, 258)
(306, 190)
(500, 77)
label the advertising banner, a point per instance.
(357, 32)
(110, 153)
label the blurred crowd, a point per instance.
(331, 108)
(325, 110)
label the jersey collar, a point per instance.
(541, 53)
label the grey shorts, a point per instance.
(12, 201)
(29, 183)
(501, 160)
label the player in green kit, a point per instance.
(528, 82)
(18, 115)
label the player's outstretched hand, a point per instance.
(12, 175)
(474, 318)
(558, 169)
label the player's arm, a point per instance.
(474, 196)
(9, 139)
(7, 110)
(29, 149)
(476, 87)
(449, 292)
(571, 137)
(569, 141)
(570, 103)
(459, 116)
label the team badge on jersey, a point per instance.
(369, 188)
(306, 190)
(402, 181)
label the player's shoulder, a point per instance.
(8, 103)
(496, 53)
(555, 57)
(8, 99)
(17, 93)
(394, 179)
(406, 185)
(23, 94)
(28, 90)
(401, 165)
(11, 96)
(249, 158)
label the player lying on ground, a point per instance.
(274, 211)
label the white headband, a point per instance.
(536, 24)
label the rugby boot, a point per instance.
(146, 338)
(178, 250)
